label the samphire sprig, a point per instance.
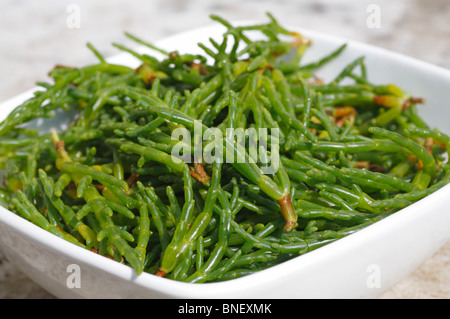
(350, 153)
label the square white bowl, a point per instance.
(362, 265)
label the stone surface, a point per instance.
(36, 35)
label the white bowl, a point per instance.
(362, 265)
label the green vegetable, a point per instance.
(123, 182)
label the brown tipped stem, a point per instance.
(132, 179)
(199, 174)
(288, 212)
(388, 100)
(160, 273)
(417, 100)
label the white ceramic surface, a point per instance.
(348, 268)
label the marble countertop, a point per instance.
(36, 35)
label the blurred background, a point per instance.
(37, 35)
